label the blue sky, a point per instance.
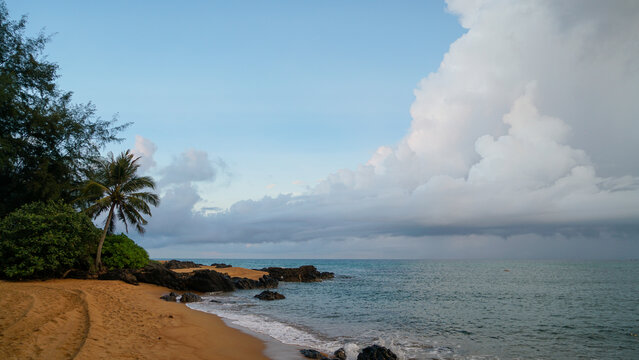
(281, 91)
(457, 129)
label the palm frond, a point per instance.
(148, 197)
(122, 218)
(139, 205)
(114, 182)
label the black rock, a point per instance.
(307, 273)
(265, 282)
(199, 280)
(244, 283)
(270, 295)
(190, 297)
(221, 265)
(268, 282)
(376, 352)
(119, 274)
(313, 354)
(326, 275)
(169, 297)
(208, 281)
(176, 264)
(157, 274)
(340, 354)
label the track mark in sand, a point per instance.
(53, 312)
(20, 302)
(87, 321)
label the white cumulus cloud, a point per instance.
(192, 165)
(528, 128)
(145, 149)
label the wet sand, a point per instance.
(96, 319)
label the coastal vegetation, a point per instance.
(116, 189)
(120, 252)
(52, 175)
(45, 239)
(47, 142)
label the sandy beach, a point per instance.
(97, 319)
(230, 271)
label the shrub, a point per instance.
(43, 240)
(120, 252)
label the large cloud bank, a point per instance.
(529, 126)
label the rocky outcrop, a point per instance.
(199, 280)
(208, 281)
(340, 354)
(211, 280)
(265, 282)
(119, 274)
(376, 352)
(155, 273)
(307, 273)
(190, 297)
(169, 297)
(176, 264)
(270, 295)
(220, 265)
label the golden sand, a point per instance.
(97, 319)
(230, 271)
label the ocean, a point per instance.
(457, 309)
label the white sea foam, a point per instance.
(233, 311)
(280, 331)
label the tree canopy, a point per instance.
(42, 240)
(46, 141)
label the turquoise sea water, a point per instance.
(451, 309)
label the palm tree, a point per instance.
(116, 188)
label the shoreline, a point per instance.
(284, 340)
(274, 349)
(88, 319)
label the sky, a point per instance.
(416, 129)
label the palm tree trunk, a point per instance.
(98, 255)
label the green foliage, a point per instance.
(115, 188)
(120, 252)
(43, 240)
(46, 141)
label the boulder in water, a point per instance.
(376, 352)
(270, 295)
(340, 354)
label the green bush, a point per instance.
(120, 252)
(44, 240)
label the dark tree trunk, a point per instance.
(98, 255)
